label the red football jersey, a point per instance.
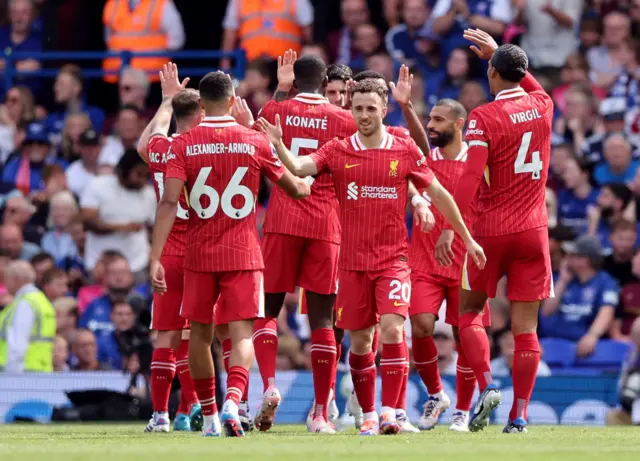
(516, 130)
(308, 123)
(398, 131)
(157, 150)
(371, 185)
(422, 255)
(220, 162)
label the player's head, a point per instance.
(186, 109)
(368, 106)
(337, 76)
(507, 66)
(375, 76)
(310, 74)
(446, 121)
(216, 94)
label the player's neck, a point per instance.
(374, 140)
(506, 86)
(453, 149)
(310, 90)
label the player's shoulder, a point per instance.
(399, 132)
(159, 141)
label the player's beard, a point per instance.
(370, 128)
(441, 138)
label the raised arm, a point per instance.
(285, 75)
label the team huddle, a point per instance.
(335, 228)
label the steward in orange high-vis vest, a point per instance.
(136, 31)
(268, 28)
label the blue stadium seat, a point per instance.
(608, 354)
(558, 352)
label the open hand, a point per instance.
(285, 68)
(423, 217)
(443, 252)
(484, 46)
(402, 91)
(274, 132)
(169, 81)
(241, 112)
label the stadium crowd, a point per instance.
(77, 204)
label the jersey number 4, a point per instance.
(224, 201)
(534, 167)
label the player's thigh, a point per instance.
(485, 280)
(355, 308)
(529, 268)
(319, 267)
(427, 294)
(241, 295)
(393, 290)
(281, 254)
(165, 311)
(200, 293)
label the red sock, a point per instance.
(425, 356)
(363, 373)
(526, 358)
(323, 359)
(188, 395)
(376, 341)
(465, 381)
(237, 380)
(475, 343)
(265, 343)
(335, 368)
(206, 390)
(401, 404)
(226, 353)
(392, 367)
(163, 369)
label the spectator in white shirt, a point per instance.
(127, 131)
(610, 58)
(83, 170)
(58, 241)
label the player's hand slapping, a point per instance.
(169, 81)
(443, 252)
(273, 132)
(423, 217)
(285, 68)
(241, 112)
(402, 91)
(156, 272)
(484, 46)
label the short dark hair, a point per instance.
(41, 257)
(365, 74)
(132, 108)
(185, 103)
(340, 72)
(511, 63)
(457, 109)
(51, 275)
(260, 65)
(216, 87)
(129, 160)
(109, 255)
(370, 86)
(621, 192)
(309, 70)
(74, 71)
(561, 234)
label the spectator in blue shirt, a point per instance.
(585, 299)
(577, 195)
(109, 346)
(406, 42)
(619, 166)
(613, 204)
(68, 95)
(20, 36)
(367, 41)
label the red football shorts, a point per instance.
(292, 261)
(429, 291)
(239, 296)
(363, 296)
(523, 257)
(165, 311)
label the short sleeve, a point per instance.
(270, 164)
(418, 171)
(91, 196)
(176, 165)
(476, 134)
(610, 293)
(230, 20)
(322, 156)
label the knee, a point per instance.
(391, 328)
(168, 339)
(422, 325)
(361, 341)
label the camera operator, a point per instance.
(628, 411)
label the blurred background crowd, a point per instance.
(77, 204)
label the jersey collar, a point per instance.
(310, 98)
(512, 93)
(218, 122)
(461, 157)
(386, 143)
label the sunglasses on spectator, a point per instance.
(126, 87)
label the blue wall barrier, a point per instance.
(575, 400)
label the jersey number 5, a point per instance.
(535, 165)
(233, 189)
(159, 178)
(303, 143)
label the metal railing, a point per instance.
(10, 72)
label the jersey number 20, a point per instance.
(535, 165)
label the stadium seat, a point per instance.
(558, 352)
(608, 355)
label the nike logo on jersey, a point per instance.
(347, 166)
(397, 304)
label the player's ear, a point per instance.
(460, 123)
(325, 82)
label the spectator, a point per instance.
(266, 30)
(55, 284)
(628, 411)
(580, 117)
(60, 354)
(83, 170)
(66, 317)
(560, 155)
(68, 94)
(110, 350)
(613, 201)
(255, 87)
(590, 32)
(27, 325)
(472, 95)
(85, 351)
(585, 298)
(12, 241)
(5, 296)
(446, 346)
(74, 126)
(316, 49)
(550, 31)
(629, 308)
(336, 91)
(15, 113)
(627, 84)
(96, 288)
(42, 263)
(624, 236)
(112, 226)
(19, 211)
(140, 26)
(460, 68)
(341, 42)
(406, 42)
(21, 36)
(551, 202)
(119, 288)
(619, 166)
(367, 41)
(74, 265)
(578, 194)
(575, 70)
(127, 131)
(609, 59)
(557, 237)
(133, 90)
(501, 366)
(58, 241)
(452, 17)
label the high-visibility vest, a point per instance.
(268, 27)
(135, 31)
(39, 355)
